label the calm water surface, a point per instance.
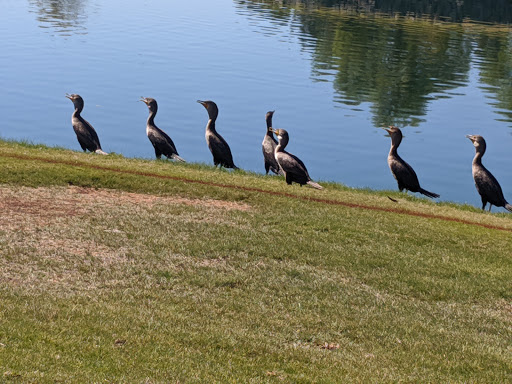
(333, 74)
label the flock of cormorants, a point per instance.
(281, 162)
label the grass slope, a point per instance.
(126, 270)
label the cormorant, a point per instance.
(486, 184)
(162, 143)
(403, 172)
(218, 146)
(269, 145)
(293, 168)
(85, 133)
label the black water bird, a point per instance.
(218, 146)
(162, 143)
(403, 172)
(486, 184)
(293, 168)
(269, 146)
(85, 133)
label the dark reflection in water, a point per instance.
(495, 53)
(64, 17)
(489, 11)
(397, 64)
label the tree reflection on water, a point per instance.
(398, 64)
(489, 11)
(62, 16)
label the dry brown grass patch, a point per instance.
(104, 195)
(26, 208)
(45, 234)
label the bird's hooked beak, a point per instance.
(276, 131)
(143, 99)
(203, 103)
(393, 131)
(470, 137)
(68, 96)
(387, 130)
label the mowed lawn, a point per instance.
(126, 270)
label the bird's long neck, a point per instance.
(78, 109)
(395, 143)
(283, 142)
(393, 151)
(210, 126)
(151, 118)
(269, 126)
(478, 157)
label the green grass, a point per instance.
(120, 273)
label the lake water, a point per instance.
(334, 75)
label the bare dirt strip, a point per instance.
(259, 190)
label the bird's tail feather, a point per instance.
(508, 207)
(100, 152)
(176, 157)
(429, 194)
(315, 185)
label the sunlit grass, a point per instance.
(121, 277)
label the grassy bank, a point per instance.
(126, 270)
